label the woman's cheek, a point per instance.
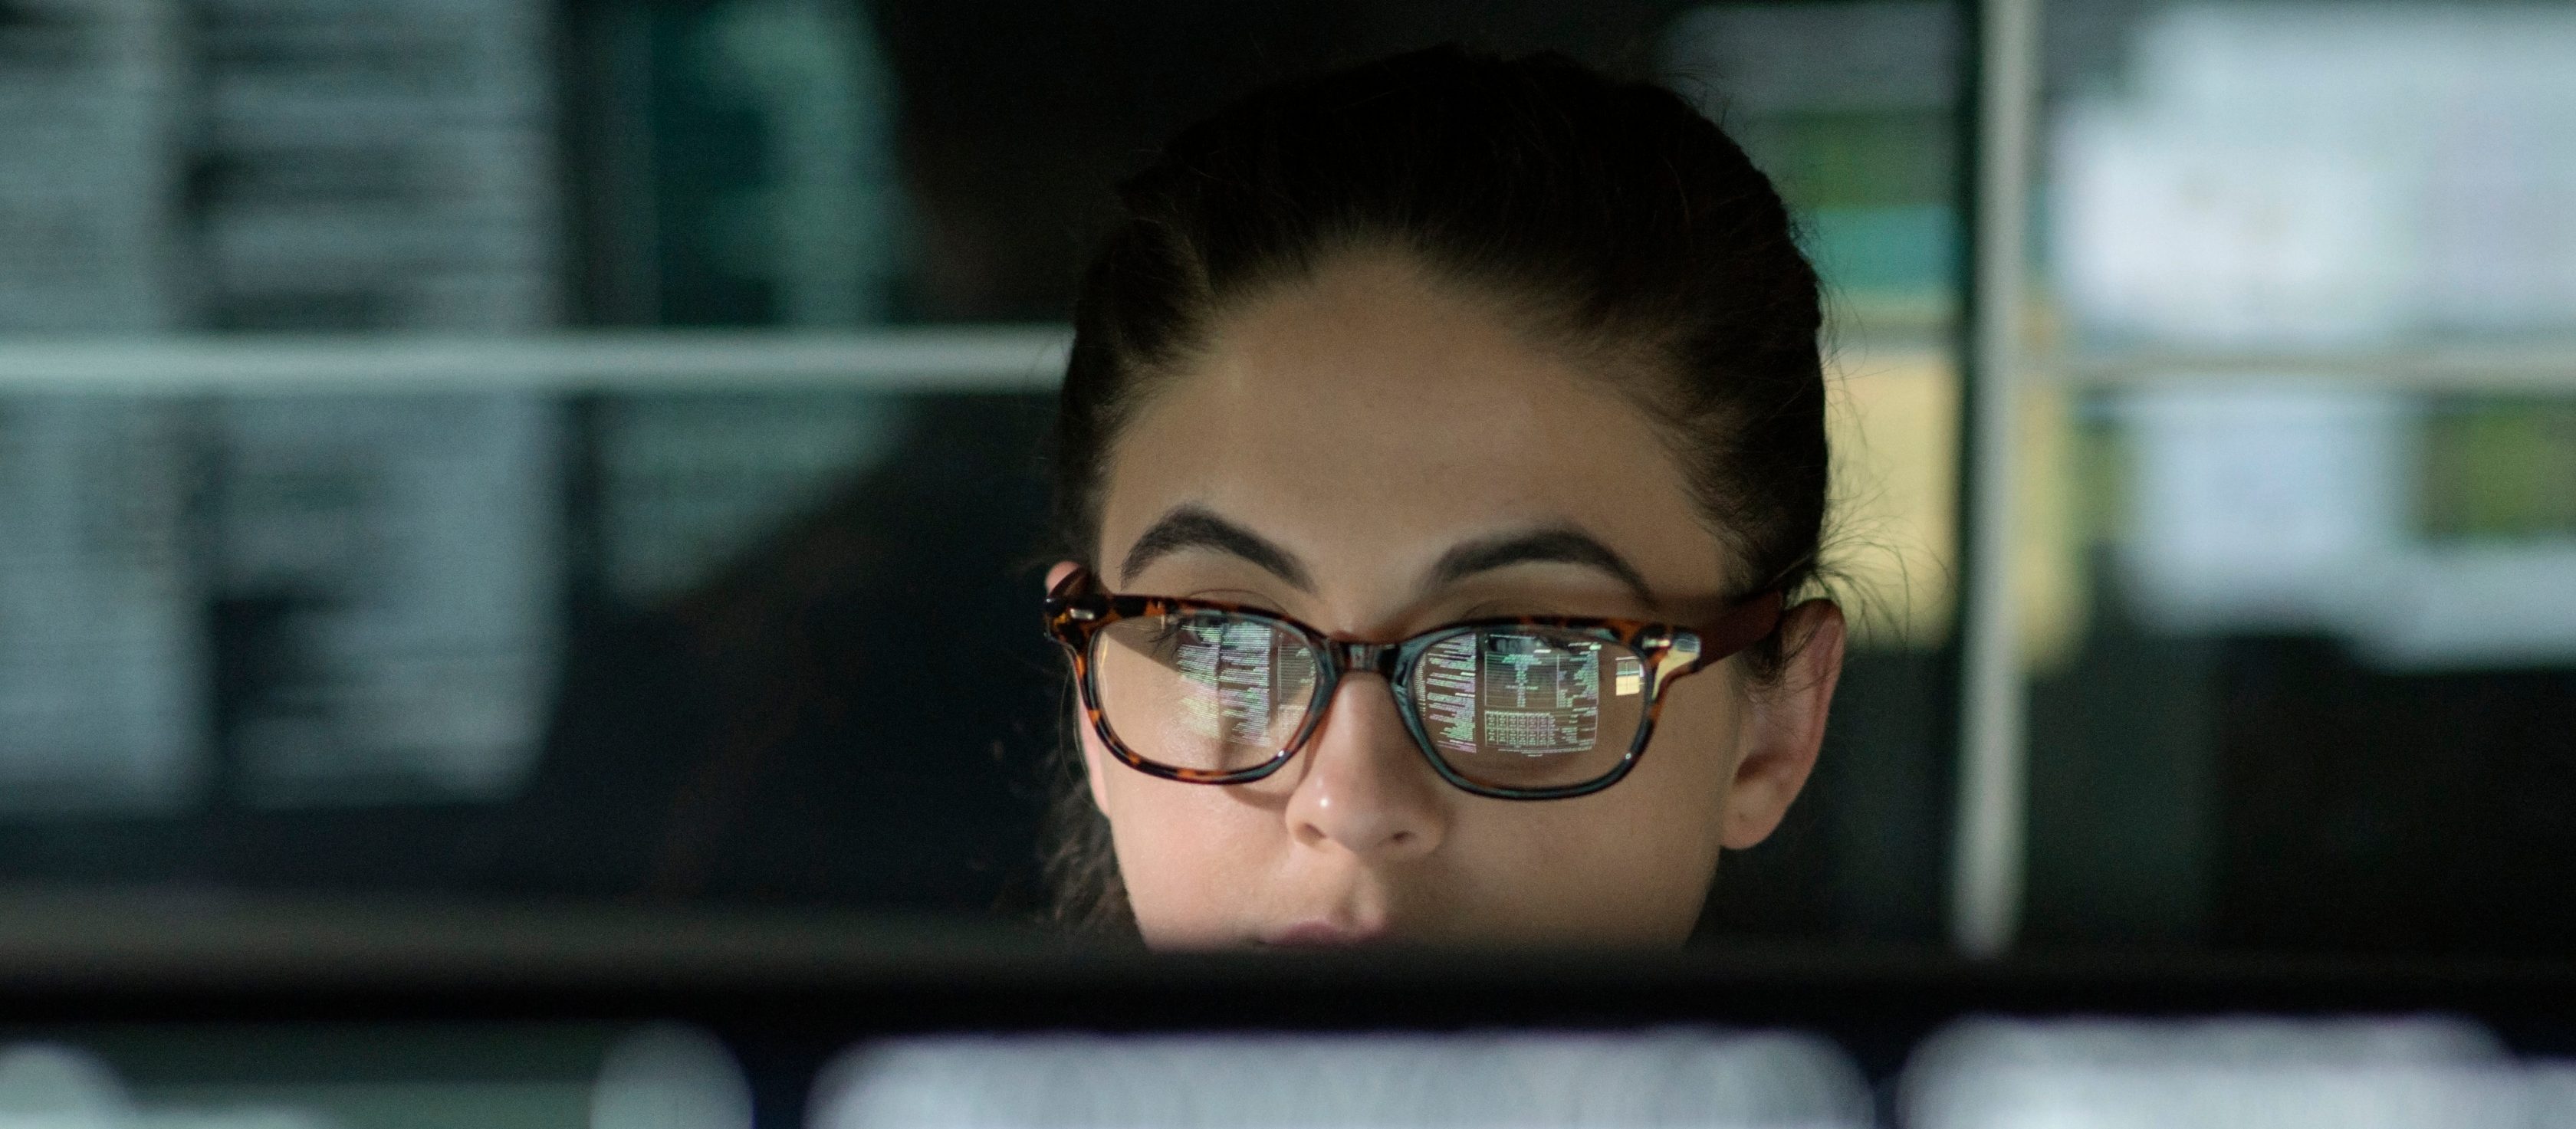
(1187, 865)
(1611, 874)
(1633, 863)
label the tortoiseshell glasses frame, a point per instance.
(1079, 608)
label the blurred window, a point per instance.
(2311, 294)
(505, 606)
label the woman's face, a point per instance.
(1355, 438)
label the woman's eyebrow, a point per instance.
(1560, 544)
(1190, 527)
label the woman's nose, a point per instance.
(1365, 787)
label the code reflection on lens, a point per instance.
(1518, 692)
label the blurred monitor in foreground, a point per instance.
(1974, 1073)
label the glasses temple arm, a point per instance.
(1742, 626)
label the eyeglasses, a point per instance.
(1518, 708)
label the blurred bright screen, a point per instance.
(1977, 1073)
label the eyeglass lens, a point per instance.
(1518, 707)
(1206, 692)
(1529, 707)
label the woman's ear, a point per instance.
(1786, 725)
(1057, 574)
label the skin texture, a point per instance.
(1366, 421)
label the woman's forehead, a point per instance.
(1370, 416)
(1376, 330)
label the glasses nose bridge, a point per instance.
(1371, 658)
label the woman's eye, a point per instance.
(1171, 632)
(1167, 632)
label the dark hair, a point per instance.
(1609, 215)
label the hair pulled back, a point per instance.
(1608, 216)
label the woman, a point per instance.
(1441, 460)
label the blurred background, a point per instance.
(506, 485)
(570, 454)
